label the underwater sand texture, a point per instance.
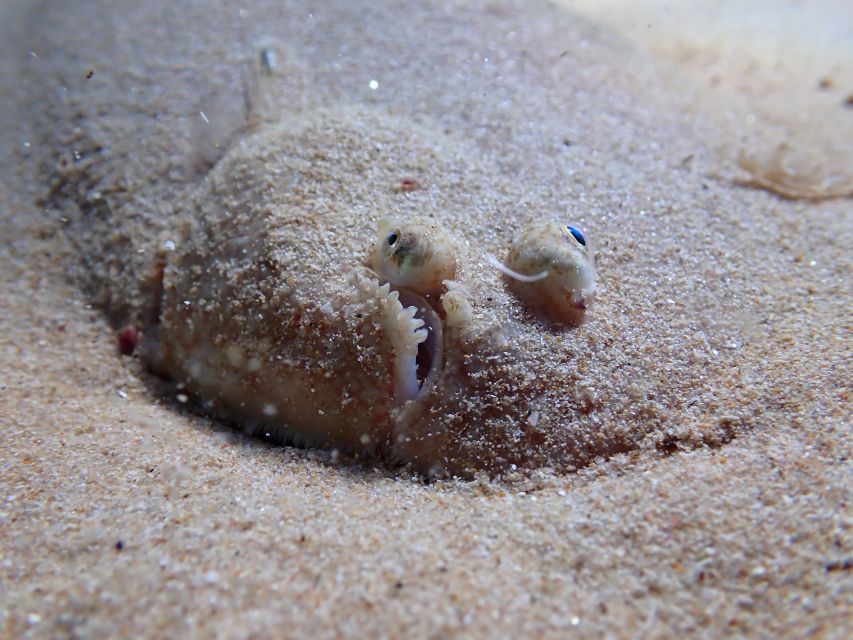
(780, 74)
(503, 123)
(223, 535)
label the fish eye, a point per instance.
(411, 255)
(577, 234)
(549, 274)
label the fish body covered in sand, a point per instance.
(372, 252)
(270, 320)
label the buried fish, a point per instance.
(280, 276)
(267, 320)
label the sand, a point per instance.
(124, 514)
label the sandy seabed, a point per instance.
(123, 514)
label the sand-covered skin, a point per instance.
(731, 293)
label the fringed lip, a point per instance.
(422, 369)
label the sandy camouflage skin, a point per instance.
(234, 216)
(275, 331)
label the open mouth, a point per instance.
(419, 357)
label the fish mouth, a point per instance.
(413, 334)
(420, 355)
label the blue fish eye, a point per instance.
(392, 238)
(577, 234)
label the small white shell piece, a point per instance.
(412, 255)
(550, 268)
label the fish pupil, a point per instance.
(392, 238)
(576, 233)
